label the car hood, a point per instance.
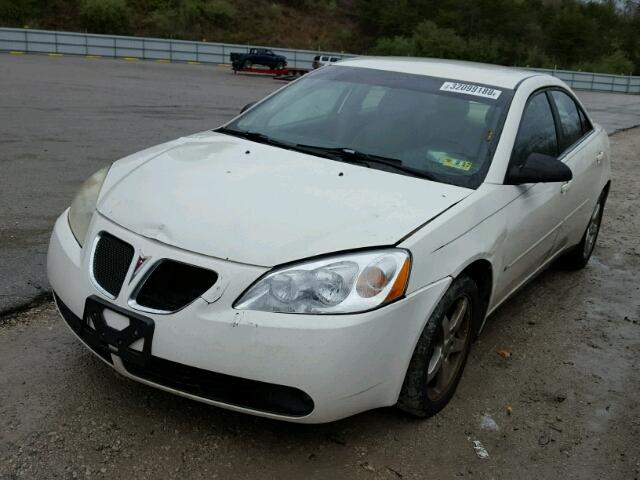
(234, 199)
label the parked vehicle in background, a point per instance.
(258, 56)
(322, 60)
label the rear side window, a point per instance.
(586, 124)
(537, 132)
(570, 122)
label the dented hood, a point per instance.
(230, 198)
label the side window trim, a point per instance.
(556, 121)
(581, 113)
(587, 126)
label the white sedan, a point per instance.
(339, 245)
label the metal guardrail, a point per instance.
(69, 43)
(596, 82)
(161, 49)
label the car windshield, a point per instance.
(439, 129)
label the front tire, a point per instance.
(579, 256)
(442, 350)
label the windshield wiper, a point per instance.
(342, 154)
(350, 155)
(255, 137)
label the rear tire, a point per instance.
(247, 64)
(579, 256)
(442, 350)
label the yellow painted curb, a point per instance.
(55, 54)
(93, 57)
(16, 53)
(224, 65)
(130, 59)
(163, 60)
(191, 62)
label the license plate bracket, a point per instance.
(95, 329)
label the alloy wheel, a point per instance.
(592, 230)
(448, 354)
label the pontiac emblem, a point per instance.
(139, 264)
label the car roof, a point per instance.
(483, 73)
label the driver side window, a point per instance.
(537, 132)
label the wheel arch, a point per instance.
(481, 272)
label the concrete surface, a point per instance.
(613, 111)
(563, 405)
(63, 118)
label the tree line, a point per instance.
(582, 35)
(588, 35)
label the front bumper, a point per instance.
(344, 364)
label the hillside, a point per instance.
(309, 25)
(599, 36)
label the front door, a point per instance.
(534, 217)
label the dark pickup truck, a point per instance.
(258, 56)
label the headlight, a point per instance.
(346, 283)
(84, 204)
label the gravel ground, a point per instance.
(560, 402)
(62, 119)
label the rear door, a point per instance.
(581, 150)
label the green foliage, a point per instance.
(198, 17)
(598, 35)
(616, 63)
(397, 46)
(539, 33)
(217, 12)
(428, 40)
(105, 16)
(13, 13)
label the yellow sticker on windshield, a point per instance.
(455, 163)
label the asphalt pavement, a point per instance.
(62, 118)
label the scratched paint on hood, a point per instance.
(233, 199)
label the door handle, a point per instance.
(565, 187)
(599, 157)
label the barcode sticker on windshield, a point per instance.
(470, 89)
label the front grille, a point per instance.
(173, 285)
(241, 392)
(111, 260)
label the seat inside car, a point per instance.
(398, 122)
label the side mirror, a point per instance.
(538, 168)
(247, 107)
